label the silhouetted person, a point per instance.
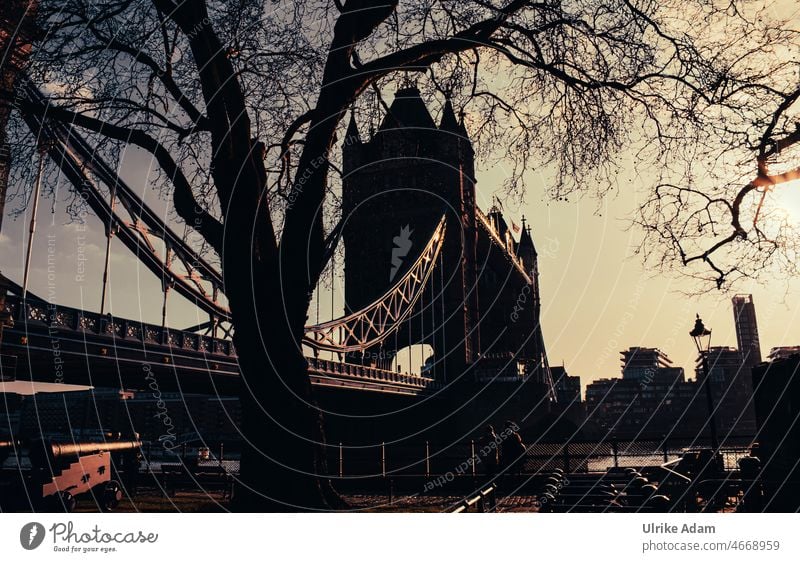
(512, 450)
(489, 451)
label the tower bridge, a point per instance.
(424, 266)
(484, 299)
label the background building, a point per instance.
(651, 400)
(732, 390)
(569, 402)
(731, 372)
(195, 419)
(654, 399)
(783, 352)
(643, 362)
(568, 388)
(744, 317)
(723, 363)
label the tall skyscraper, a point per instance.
(744, 316)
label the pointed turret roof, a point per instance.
(352, 130)
(462, 130)
(408, 110)
(448, 121)
(525, 239)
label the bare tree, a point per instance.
(735, 229)
(241, 105)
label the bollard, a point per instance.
(383, 458)
(472, 458)
(341, 460)
(427, 459)
(493, 498)
(615, 452)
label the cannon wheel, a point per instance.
(112, 495)
(61, 501)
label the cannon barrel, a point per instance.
(42, 451)
(6, 446)
(78, 449)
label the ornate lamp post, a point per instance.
(702, 339)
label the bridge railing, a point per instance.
(59, 319)
(335, 368)
(72, 319)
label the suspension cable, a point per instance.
(109, 237)
(441, 299)
(32, 228)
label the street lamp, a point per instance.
(702, 339)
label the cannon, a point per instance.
(61, 471)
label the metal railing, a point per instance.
(29, 313)
(431, 459)
(337, 369)
(601, 455)
(464, 457)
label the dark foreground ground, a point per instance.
(153, 500)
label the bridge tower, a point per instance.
(397, 186)
(480, 312)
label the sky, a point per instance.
(597, 298)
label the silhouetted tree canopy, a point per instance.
(701, 95)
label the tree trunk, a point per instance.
(283, 464)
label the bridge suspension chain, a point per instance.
(75, 157)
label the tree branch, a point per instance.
(164, 76)
(423, 55)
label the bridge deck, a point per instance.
(71, 345)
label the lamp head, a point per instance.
(701, 335)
